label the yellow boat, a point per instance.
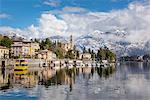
(21, 65)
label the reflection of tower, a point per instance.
(71, 42)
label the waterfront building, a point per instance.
(4, 52)
(33, 48)
(46, 54)
(85, 56)
(23, 48)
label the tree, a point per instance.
(106, 54)
(36, 40)
(89, 50)
(42, 45)
(47, 44)
(59, 53)
(93, 54)
(6, 42)
(101, 54)
(70, 54)
(77, 54)
(84, 50)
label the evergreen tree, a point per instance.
(84, 50)
(36, 40)
(70, 54)
(59, 53)
(93, 55)
(42, 45)
(106, 54)
(89, 50)
(77, 54)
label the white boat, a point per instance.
(78, 64)
(70, 64)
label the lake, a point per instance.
(128, 81)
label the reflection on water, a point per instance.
(129, 81)
(49, 77)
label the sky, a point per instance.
(44, 18)
(29, 10)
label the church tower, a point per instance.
(71, 42)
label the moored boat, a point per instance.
(21, 65)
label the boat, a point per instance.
(78, 63)
(21, 65)
(70, 64)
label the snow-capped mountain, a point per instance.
(115, 40)
(13, 35)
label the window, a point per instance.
(24, 65)
(18, 69)
(17, 64)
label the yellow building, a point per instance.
(33, 48)
(4, 52)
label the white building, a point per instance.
(46, 54)
(85, 56)
(4, 52)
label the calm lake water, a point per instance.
(129, 81)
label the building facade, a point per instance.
(68, 45)
(46, 54)
(24, 49)
(4, 52)
(85, 56)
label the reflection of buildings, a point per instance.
(24, 79)
(49, 77)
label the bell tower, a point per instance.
(71, 42)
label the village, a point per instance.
(47, 53)
(27, 63)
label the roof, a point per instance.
(43, 51)
(21, 40)
(2, 47)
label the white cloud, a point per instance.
(53, 3)
(50, 24)
(78, 21)
(3, 16)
